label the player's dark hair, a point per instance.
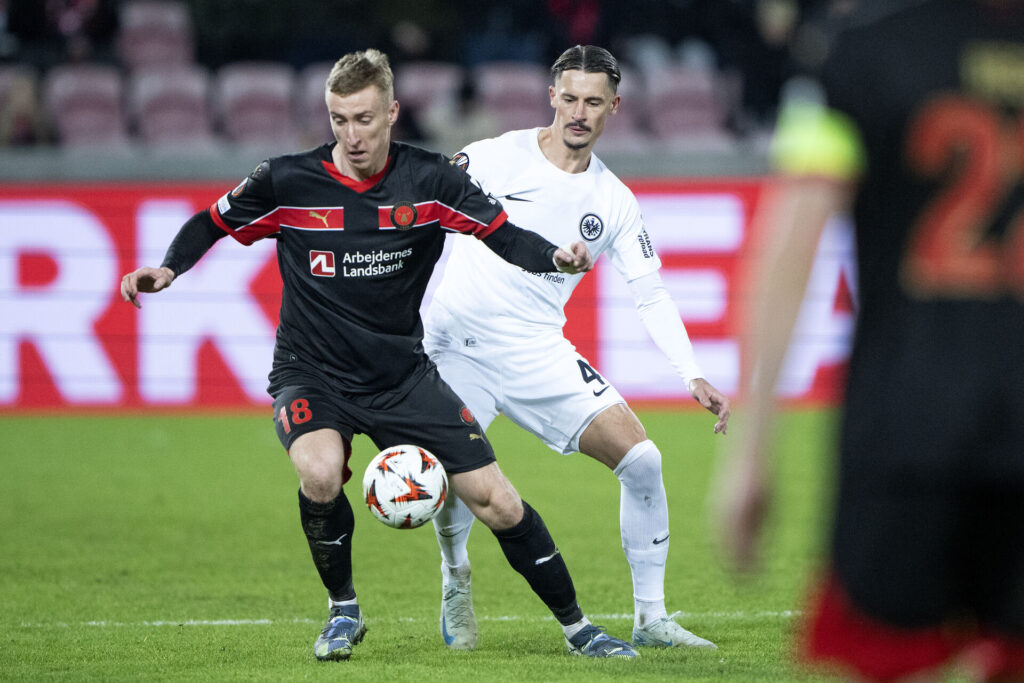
(357, 70)
(589, 59)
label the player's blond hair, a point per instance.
(357, 70)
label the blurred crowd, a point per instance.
(722, 61)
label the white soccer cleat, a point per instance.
(665, 632)
(458, 622)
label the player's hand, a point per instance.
(741, 496)
(574, 258)
(145, 279)
(712, 399)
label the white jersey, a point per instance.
(496, 301)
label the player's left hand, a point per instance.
(712, 399)
(574, 258)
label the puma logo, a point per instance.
(336, 541)
(542, 560)
(474, 436)
(322, 217)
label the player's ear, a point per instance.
(615, 104)
(551, 95)
(392, 112)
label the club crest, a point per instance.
(591, 227)
(403, 215)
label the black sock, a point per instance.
(329, 528)
(531, 552)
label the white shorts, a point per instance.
(544, 386)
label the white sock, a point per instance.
(643, 523)
(451, 527)
(573, 629)
(645, 611)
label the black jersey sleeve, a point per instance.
(522, 248)
(195, 238)
(472, 210)
(250, 211)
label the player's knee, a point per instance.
(320, 490)
(320, 478)
(641, 465)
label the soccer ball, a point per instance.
(405, 486)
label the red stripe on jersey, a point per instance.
(332, 218)
(215, 215)
(352, 183)
(289, 216)
(449, 218)
(250, 232)
(246, 234)
(498, 221)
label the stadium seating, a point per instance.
(83, 102)
(255, 103)
(170, 106)
(19, 104)
(155, 33)
(311, 115)
(687, 106)
(515, 92)
(422, 85)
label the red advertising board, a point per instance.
(68, 341)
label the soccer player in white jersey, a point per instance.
(495, 333)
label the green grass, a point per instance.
(169, 548)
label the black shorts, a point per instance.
(423, 411)
(929, 527)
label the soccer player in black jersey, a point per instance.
(360, 224)
(922, 103)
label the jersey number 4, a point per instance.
(950, 254)
(591, 375)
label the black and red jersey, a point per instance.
(355, 257)
(934, 90)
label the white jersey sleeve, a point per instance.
(631, 251)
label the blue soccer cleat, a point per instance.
(343, 631)
(592, 641)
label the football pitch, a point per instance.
(168, 547)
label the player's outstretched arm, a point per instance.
(145, 279)
(195, 238)
(530, 251)
(792, 222)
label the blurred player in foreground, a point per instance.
(917, 119)
(360, 224)
(495, 333)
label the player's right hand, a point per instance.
(742, 493)
(145, 279)
(574, 258)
